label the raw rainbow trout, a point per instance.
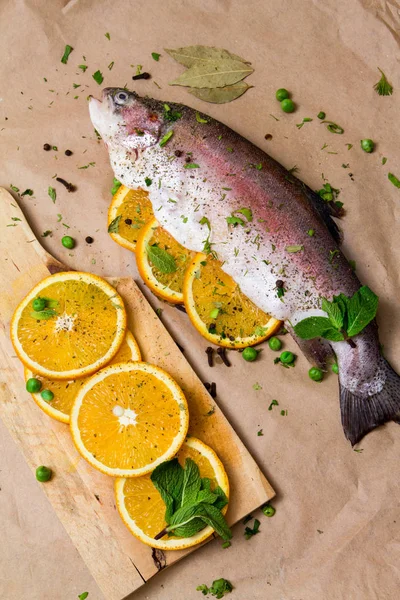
(203, 172)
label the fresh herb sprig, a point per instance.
(347, 317)
(383, 87)
(190, 502)
(219, 588)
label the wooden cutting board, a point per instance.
(82, 497)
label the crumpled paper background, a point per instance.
(335, 535)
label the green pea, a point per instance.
(39, 304)
(287, 105)
(287, 358)
(316, 374)
(250, 354)
(367, 145)
(281, 94)
(43, 474)
(33, 385)
(68, 242)
(268, 510)
(335, 368)
(275, 344)
(47, 395)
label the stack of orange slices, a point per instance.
(214, 302)
(126, 416)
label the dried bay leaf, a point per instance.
(191, 55)
(221, 95)
(214, 74)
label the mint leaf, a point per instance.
(168, 480)
(191, 483)
(114, 225)
(44, 315)
(222, 498)
(333, 335)
(334, 311)
(361, 310)
(312, 327)
(216, 520)
(161, 259)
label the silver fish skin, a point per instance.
(202, 173)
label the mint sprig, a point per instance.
(161, 259)
(347, 317)
(190, 502)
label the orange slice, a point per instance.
(219, 310)
(142, 508)
(129, 211)
(162, 262)
(79, 331)
(128, 418)
(65, 391)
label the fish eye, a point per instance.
(121, 97)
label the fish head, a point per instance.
(126, 121)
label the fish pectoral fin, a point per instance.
(325, 210)
(317, 351)
(360, 414)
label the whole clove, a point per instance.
(141, 76)
(70, 187)
(222, 353)
(210, 356)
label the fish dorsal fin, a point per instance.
(326, 211)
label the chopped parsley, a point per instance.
(27, 192)
(155, 56)
(191, 166)
(52, 193)
(257, 387)
(98, 77)
(82, 67)
(164, 141)
(107, 36)
(67, 52)
(200, 119)
(394, 180)
(249, 532)
(148, 181)
(171, 115)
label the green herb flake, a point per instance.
(384, 160)
(14, 188)
(294, 249)
(247, 212)
(249, 532)
(283, 413)
(98, 77)
(82, 67)
(226, 545)
(148, 181)
(83, 596)
(191, 166)
(107, 36)
(52, 193)
(166, 138)
(67, 52)
(260, 433)
(383, 87)
(200, 119)
(311, 232)
(333, 127)
(305, 120)
(91, 164)
(59, 217)
(138, 69)
(27, 192)
(76, 85)
(273, 403)
(349, 146)
(110, 66)
(114, 225)
(219, 588)
(257, 386)
(393, 179)
(155, 56)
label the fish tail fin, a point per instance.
(360, 414)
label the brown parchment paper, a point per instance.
(335, 535)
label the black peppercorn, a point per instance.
(46, 147)
(89, 240)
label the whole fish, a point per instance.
(201, 173)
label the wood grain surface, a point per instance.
(83, 498)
